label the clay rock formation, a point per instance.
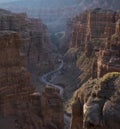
(94, 49)
(90, 52)
(14, 79)
(96, 104)
(20, 106)
(35, 39)
(46, 110)
(52, 108)
(89, 33)
(92, 25)
(95, 36)
(109, 58)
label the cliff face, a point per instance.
(14, 79)
(95, 51)
(109, 59)
(45, 111)
(96, 36)
(89, 53)
(35, 39)
(20, 106)
(91, 25)
(96, 104)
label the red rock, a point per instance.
(96, 102)
(19, 104)
(96, 34)
(35, 39)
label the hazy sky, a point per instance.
(3, 1)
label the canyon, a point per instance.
(23, 49)
(43, 88)
(50, 10)
(94, 43)
(56, 13)
(35, 45)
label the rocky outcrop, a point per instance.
(20, 106)
(94, 49)
(52, 108)
(35, 38)
(109, 59)
(45, 111)
(91, 26)
(95, 36)
(100, 46)
(14, 79)
(90, 36)
(67, 37)
(96, 104)
(89, 33)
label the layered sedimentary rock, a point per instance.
(109, 59)
(91, 25)
(96, 35)
(35, 38)
(14, 79)
(20, 106)
(96, 41)
(45, 111)
(92, 31)
(52, 108)
(67, 37)
(95, 51)
(96, 104)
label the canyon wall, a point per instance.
(109, 58)
(96, 36)
(91, 25)
(96, 45)
(35, 39)
(21, 107)
(14, 79)
(96, 104)
(91, 31)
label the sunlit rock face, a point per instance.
(98, 102)
(95, 34)
(92, 52)
(109, 58)
(93, 112)
(91, 25)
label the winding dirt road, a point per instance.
(44, 80)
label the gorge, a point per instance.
(72, 85)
